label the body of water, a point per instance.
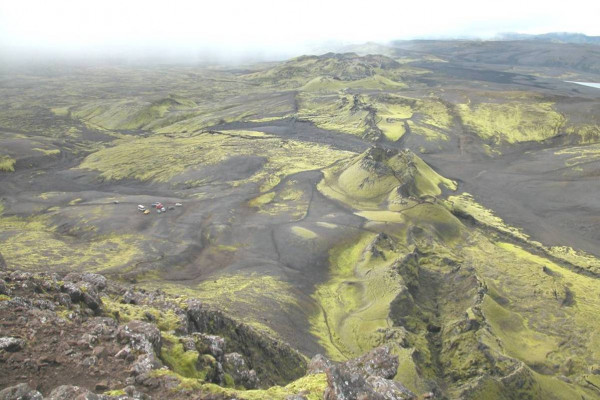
(590, 84)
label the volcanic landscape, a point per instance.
(440, 199)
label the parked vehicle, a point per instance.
(141, 207)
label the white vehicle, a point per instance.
(141, 207)
(163, 209)
(178, 204)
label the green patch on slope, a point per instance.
(309, 386)
(464, 205)
(427, 117)
(518, 340)
(250, 297)
(160, 158)
(533, 305)
(355, 301)
(34, 244)
(131, 114)
(7, 164)
(373, 177)
(303, 232)
(336, 112)
(512, 122)
(324, 84)
(164, 320)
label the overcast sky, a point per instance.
(279, 27)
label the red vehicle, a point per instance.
(159, 206)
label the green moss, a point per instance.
(428, 182)
(324, 84)
(65, 314)
(134, 114)
(48, 152)
(426, 117)
(580, 155)
(116, 392)
(555, 389)
(512, 122)
(60, 111)
(446, 226)
(430, 134)
(533, 305)
(35, 244)
(303, 232)
(261, 200)
(383, 216)
(187, 384)
(285, 200)
(7, 164)
(165, 320)
(518, 341)
(464, 204)
(327, 225)
(269, 119)
(434, 112)
(310, 386)
(248, 296)
(224, 247)
(161, 158)
(586, 133)
(368, 180)
(333, 112)
(408, 372)
(180, 361)
(228, 381)
(355, 300)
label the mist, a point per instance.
(240, 31)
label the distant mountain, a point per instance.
(517, 52)
(556, 37)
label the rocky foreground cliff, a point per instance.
(81, 336)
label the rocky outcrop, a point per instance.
(98, 282)
(210, 344)
(273, 361)
(318, 364)
(83, 291)
(367, 377)
(65, 347)
(21, 391)
(11, 344)
(83, 330)
(141, 336)
(235, 365)
(377, 362)
(3, 288)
